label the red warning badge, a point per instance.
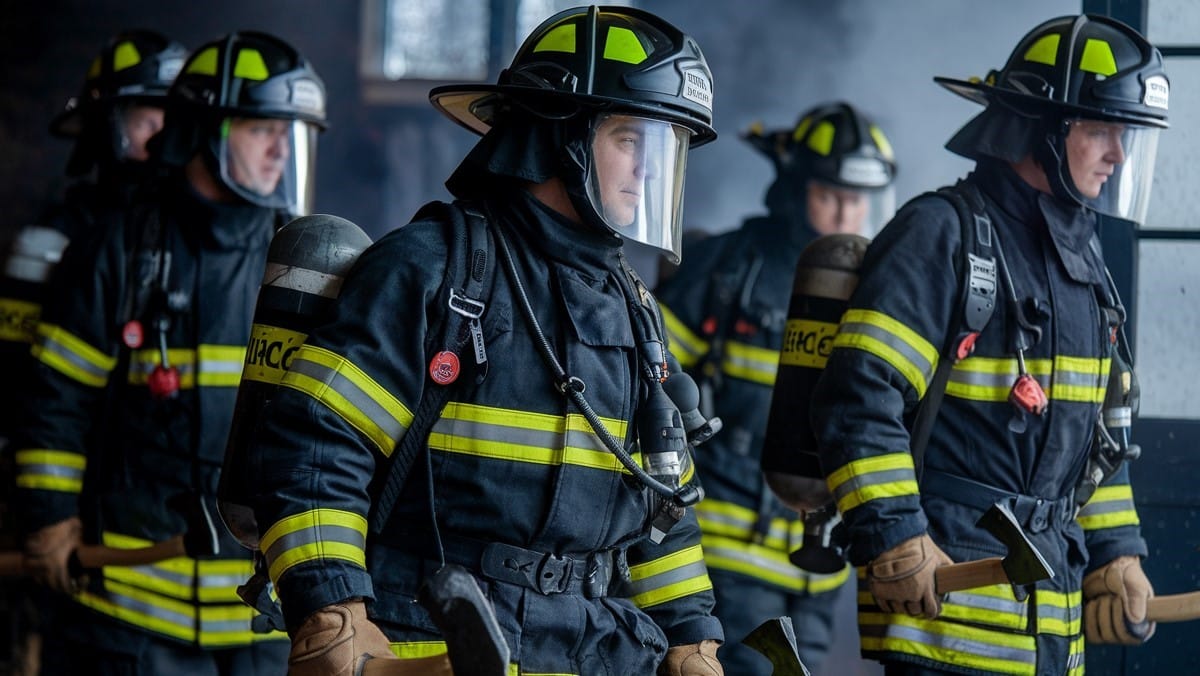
(444, 368)
(132, 334)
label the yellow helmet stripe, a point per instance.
(801, 129)
(1098, 58)
(125, 56)
(250, 65)
(885, 147)
(623, 45)
(205, 62)
(821, 138)
(1045, 50)
(558, 39)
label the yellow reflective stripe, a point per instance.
(417, 649)
(18, 320)
(204, 63)
(623, 45)
(901, 347)
(949, 643)
(686, 346)
(220, 365)
(750, 362)
(72, 356)
(1109, 507)
(230, 625)
(766, 564)
(1075, 661)
(349, 392)
(1098, 58)
(995, 606)
(884, 476)
(732, 520)
(1045, 50)
(1080, 379)
(1059, 614)
(270, 353)
(669, 577)
(312, 535)
(184, 578)
(125, 55)
(50, 470)
(881, 142)
(524, 436)
(807, 343)
(820, 141)
(558, 39)
(250, 65)
(992, 378)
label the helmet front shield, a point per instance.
(1109, 166)
(635, 178)
(270, 162)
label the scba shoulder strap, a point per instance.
(465, 291)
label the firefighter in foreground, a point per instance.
(725, 312)
(139, 355)
(584, 142)
(1069, 131)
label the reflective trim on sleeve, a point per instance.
(750, 362)
(1109, 507)
(524, 436)
(50, 470)
(314, 535)
(949, 643)
(352, 394)
(898, 345)
(687, 347)
(884, 476)
(668, 578)
(72, 356)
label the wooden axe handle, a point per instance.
(970, 575)
(1174, 608)
(436, 665)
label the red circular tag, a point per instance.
(132, 334)
(443, 368)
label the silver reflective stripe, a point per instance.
(482, 431)
(302, 280)
(224, 626)
(1048, 611)
(778, 567)
(870, 479)
(751, 364)
(51, 345)
(312, 536)
(984, 602)
(185, 621)
(998, 380)
(1065, 377)
(722, 519)
(360, 400)
(41, 469)
(231, 581)
(1105, 507)
(962, 645)
(893, 341)
(667, 578)
(145, 368)
(184, 580)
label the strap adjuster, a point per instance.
(467, 307)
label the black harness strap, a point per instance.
(470, 271)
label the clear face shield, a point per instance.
(270, 162)
(132, 126)
(836, 209)
(1111, 166)
(635, 179)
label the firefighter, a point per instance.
(1069, 131)
(118, 109)
(516, 467)
(725, 312)
(138, 361)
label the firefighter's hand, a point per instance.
(335, 641)
(902, 581)
(48, 551)
(1115, 597)
(693, 659)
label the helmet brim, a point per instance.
(472, 106)
(985, 94)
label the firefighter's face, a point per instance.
(258, 152)
(621, 167)
(137, 124)
(836, 210)
(1093, 152)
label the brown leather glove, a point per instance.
(901, 579)
(1115, 597)
(692, 659)
(47, 552)
(339, 640)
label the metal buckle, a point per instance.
(467, 307)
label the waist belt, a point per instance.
(1035, 514)
(588, 575)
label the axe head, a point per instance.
(474, 642)
(776, 640)
(1024, 564)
